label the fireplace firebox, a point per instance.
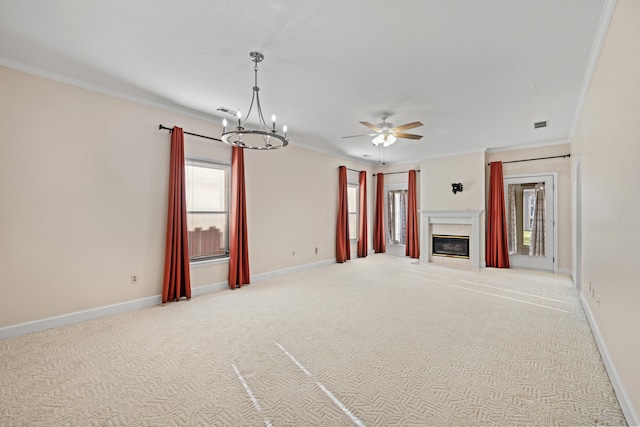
(450, 246)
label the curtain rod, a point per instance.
(349, 169)
(189, 133)
(539, 158)
(391, 173)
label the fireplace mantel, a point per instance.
(471, 217)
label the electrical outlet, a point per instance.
(134, 279)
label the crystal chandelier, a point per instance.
(265, 138)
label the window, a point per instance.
(529, 207)
(397, 216)
(207, 188)
(352, 196)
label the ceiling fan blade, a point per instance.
(407, 126)
(371, 126)
(354, 136)
(408, 136)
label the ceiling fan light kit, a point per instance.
(265, 138)
(384, 139)
(386, 134)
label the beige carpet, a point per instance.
(376, 341)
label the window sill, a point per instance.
(209, 262)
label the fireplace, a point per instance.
(465, 222)
(450, 246)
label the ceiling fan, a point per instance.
(386, 134)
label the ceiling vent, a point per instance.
(538, 125)
(228, 111)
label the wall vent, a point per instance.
(540, 125)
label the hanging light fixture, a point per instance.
(264, 138)
(385, 139)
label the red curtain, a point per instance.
(343, 245)
(497, 245)
(379, 241)
(238, 238)
(363, 239)
(177, 280)
(413, 238)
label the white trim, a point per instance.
(108, 310)
(623, 398)
(290, 270)
(392, 248)
(445, 155)
(485, 150)
(209, 262)
(598, 41)
(555, 207)
(77, 317)
(576, 219)
(213, 287)
(541, 144)
(471, 217)
(161, 105)
(165, 106)
(413, 164)
(567, 271)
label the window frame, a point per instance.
(220, 165)
(356, 212)
(389, 216)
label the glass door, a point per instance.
(396, 196)
(529, 202)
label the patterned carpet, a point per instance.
(378, 341)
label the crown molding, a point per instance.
(598, 41)
(165, 106)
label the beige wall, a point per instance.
(438, 174)
(292, 206)
(607, 143)
(84, 177)
(563, 186)
(398, 174)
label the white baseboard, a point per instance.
(78, 316)
(567, 271)
(108, 310)
(201, 290)
(623, 398)
(290, 270)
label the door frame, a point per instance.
(534, 177)
(392, 249)
(577, 221)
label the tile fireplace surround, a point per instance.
(458, 217)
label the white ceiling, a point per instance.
(478, 74)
